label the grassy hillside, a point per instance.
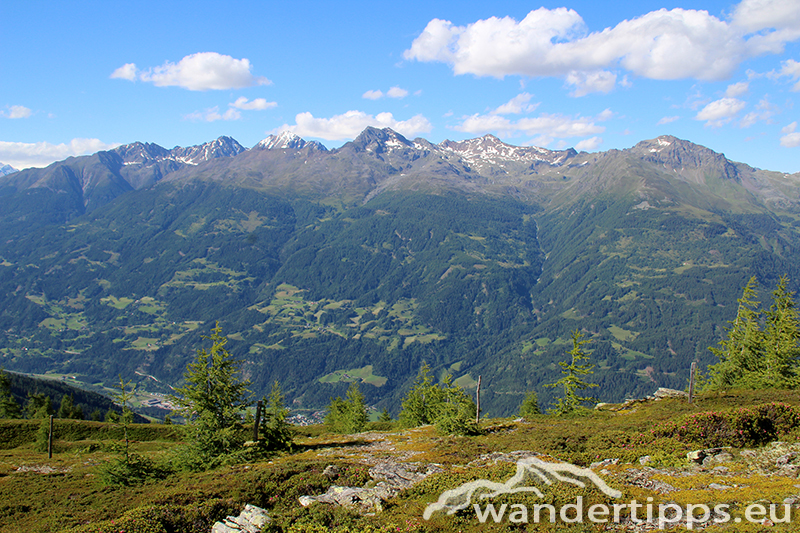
(37, 495)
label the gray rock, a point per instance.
(662, 394)
(603, 463)
(717, 486)
(786, 459)
(331, 471)
(250, 520)
(645, 459)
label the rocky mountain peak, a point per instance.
(684, 157)
(491, 150)
(221, 147)
(6, 169)
(288, 140)
(379, 140)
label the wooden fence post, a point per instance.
(257, 422)
(478, 402)
(50, 440)
(692, 375)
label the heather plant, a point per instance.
(742, 427)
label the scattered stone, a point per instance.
(643, 460)
(641, 478)
(786, 459)
(331, 471)
(663, 394)
(724, 457)
(604, 463)
(699, 456)
(250, 520)
(391, 477)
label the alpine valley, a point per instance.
(361, 263)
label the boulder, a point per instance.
(250, 520)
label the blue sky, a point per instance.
(78, 77)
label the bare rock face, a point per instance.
(250, 520)
(391, 477)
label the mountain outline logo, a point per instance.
(528, 469)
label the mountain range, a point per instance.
(362, 262)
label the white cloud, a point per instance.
(790, 128)
(763, 113)
(197, 72)
(591, 82)
(791, 68)
(737, 89)
(259, 104)
(757, 15)
(372, 95)
(720, 111)
(232, 113)
(26, 155)
(351, 123)
(791, 140)
(546, 127)
(518, 104)
(590, 144)
(16, 111)
(213, 114)
(396, 92)
(663, 44)
(125, 72)
(667, 120)
(393, 92)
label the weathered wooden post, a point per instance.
(692, 374)
(478, 402)
(50, 440)
(257, 422)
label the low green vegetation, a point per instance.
(34, 489)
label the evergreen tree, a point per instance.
(67, 407)
(530, 405)
(9, 408)
(781, 334)
(127, 468)
(740, 353)
(446, 405)
(573, 381)
(756, 358)
(212, 401)
(385, 416)
(350, 415)
(39, 405)
(274, 427)
(421, 403)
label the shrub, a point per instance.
(746, 426)
(446, 406)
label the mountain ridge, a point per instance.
(367, 260)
